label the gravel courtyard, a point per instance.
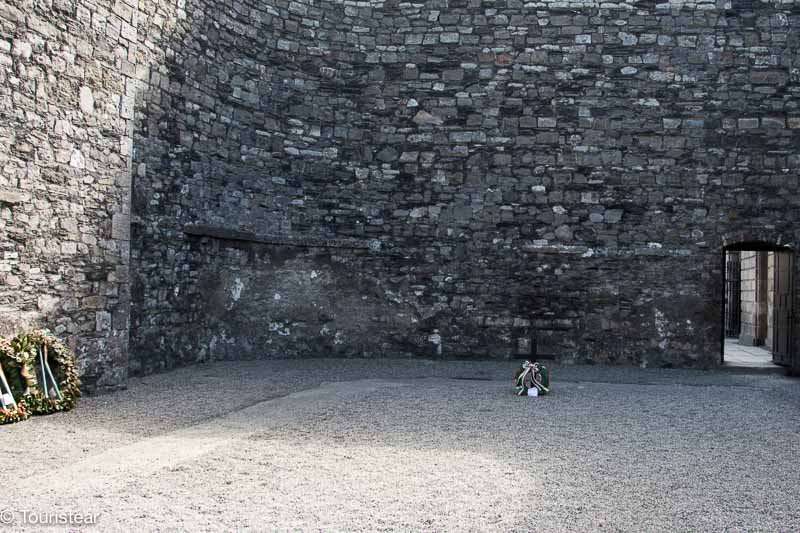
(331, 445)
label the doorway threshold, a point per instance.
(749, 359)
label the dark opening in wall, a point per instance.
(758, 305)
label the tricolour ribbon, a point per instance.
(531, 371)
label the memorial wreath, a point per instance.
(60, 386)
(18, 411)
(532, 375)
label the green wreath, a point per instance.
(20, 412)
(15, 414)
(33, 347)
(531, 375)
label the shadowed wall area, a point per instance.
(459, 179)
(453, 179)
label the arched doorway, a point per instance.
(759, 298)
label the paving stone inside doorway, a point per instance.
(741, 356)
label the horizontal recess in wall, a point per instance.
(305, 242)
(650, 249)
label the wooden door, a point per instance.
(782, 311)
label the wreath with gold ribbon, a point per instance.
(59, 388)
(10, 414)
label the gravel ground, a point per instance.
(416, 445)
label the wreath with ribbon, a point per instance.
(531, 375)
(57, 365)
(14, 414)
(19, 411)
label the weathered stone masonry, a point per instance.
(447, 179)
(66, 104)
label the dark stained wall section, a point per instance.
(507, 176)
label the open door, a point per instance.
(782, 311)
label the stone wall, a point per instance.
(750, 300)
(770, 301)
(65, 143)
(448, 179)
(458, 179)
